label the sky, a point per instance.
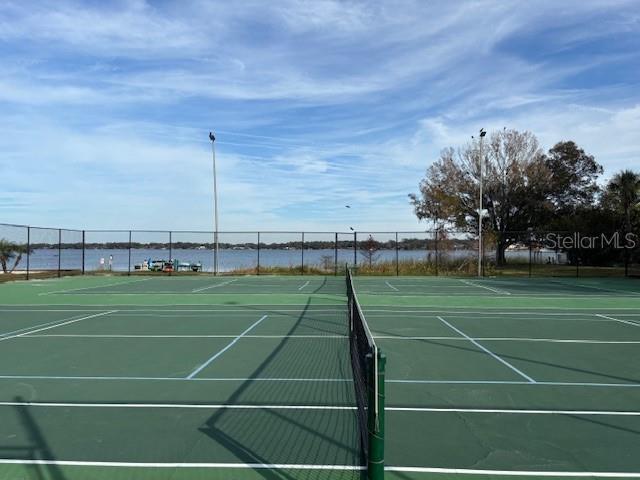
(105, 107)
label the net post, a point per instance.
(302, 258)
(375, 466)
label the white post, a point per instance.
(480, 209)
(215, 205)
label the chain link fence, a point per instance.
(31, 252)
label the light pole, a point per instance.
(480, 210)
(215, 205)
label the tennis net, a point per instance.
(368, 365)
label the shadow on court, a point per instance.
(38, 449)
(534, 361)
(313, 437)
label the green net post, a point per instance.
(375, 467)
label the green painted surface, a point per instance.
(163, 328)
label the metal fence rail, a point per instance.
(29, 252)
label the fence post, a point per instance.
(355, 249)
(482, 262)
(577, 260)
(626, 258)
(626, 263)
(83, 250)
(214, 268)
(335, 256)
(28, 249)
(397, 257)
(170, 248)
(437, 254)
(302, 249)
(258, 267)
(530, 259)
(129, 269)
(59, 251)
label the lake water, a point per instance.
(229, 259)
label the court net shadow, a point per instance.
(535, 361)
(34, 449)
(316, 437)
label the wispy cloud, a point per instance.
(316, 104)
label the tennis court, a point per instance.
(250, 377)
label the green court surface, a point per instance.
(250, 377)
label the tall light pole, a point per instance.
(480, 209)
(215, 205)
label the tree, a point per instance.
(623, 193)
(515, 191)
(8, 251)
(369, 249)
(574, 177)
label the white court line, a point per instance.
(511, 339)
(224, 406)
(89, 335)
(513, 310)
(128, 308)
(57, 325)
(196, 290)
(36, 326)
(253, 466)
(173, 379)
(494, 290)
(398, 281)
(113, 284)
(520, 315)
(505, 294)
(454, 312)
(321, 380)
(613, 290)
(512, 382)
(391, 287)
(393, 308)
(177, 293)
(16, 310)
(216, 406)
(486, 350)
(205, 364)
(515, 411)
(295, 466)
(308, 281)
(628, 322)
(513, 473)
(383, 337)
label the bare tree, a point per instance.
(515, 193)
(369, 249)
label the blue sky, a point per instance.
(106, 106)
